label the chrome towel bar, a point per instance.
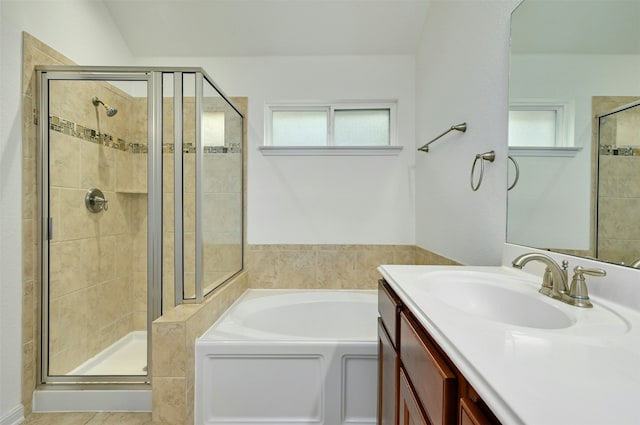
(460, 127)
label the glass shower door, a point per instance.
(95, 270)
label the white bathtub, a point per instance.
(290, 357)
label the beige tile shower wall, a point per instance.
(93, 296)
(222, 209)
(329, 266)
(619, 202)
(71, 100)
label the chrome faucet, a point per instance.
(554, 282)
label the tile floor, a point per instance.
(88, 418)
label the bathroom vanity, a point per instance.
(480, 345)
(419, 384)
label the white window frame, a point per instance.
(330, 148)
(564, 137)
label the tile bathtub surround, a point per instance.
(173, 352)
(329, 266)
(267, 266)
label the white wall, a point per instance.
(322, 199)
(93, 40)
(462, 74)
(554, 194)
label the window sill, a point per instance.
(565, 151)
(329, 150)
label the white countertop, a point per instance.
(587, 373)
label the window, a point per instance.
(324, 127)
(533, 128)
(540, 127)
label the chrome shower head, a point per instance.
(111, 111)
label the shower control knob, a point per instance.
(95, 201)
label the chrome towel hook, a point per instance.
(487, 156)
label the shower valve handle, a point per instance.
(101, 202)
(95, 201)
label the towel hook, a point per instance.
(487, 156)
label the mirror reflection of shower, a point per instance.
(617, 234)
(111, 111)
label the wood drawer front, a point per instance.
(389, 307)
(434, 382)
(471, 414)
(409, 411)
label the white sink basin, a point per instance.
(495, 297)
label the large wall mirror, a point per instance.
(574, 129)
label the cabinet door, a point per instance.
(434, 382)
(388, 378)
(409, 410)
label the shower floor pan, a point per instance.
(127, 356)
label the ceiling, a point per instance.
(192, 28)
(577, 26)
(269, 27)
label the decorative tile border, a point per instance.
(619, 150)
(78, 131)
(89, 134)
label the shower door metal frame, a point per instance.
(153, 78)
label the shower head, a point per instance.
(111, 111)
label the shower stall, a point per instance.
(141, 198)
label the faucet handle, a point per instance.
(578, 294)
(547, 282)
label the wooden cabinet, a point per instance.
(389, 306)
(418, 382)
